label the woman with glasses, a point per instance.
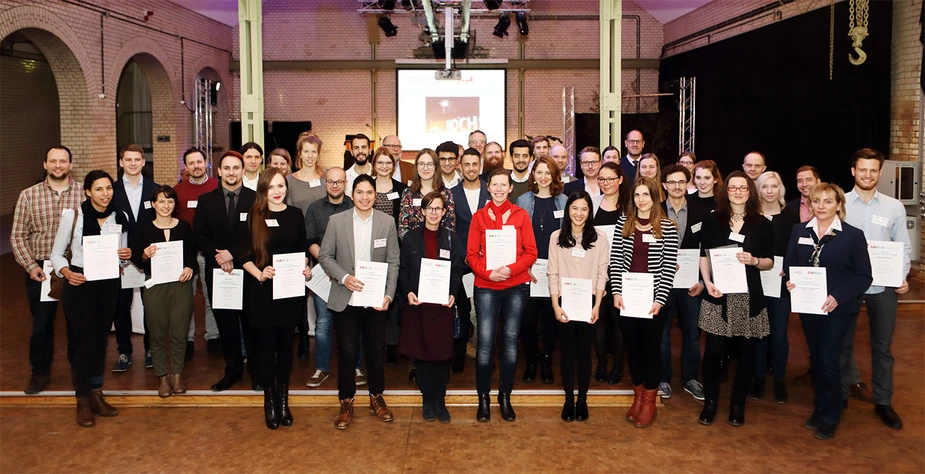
(388, 192)
(774, 208)
(307, 184)
(688, 159)
(545, 204)
(425, 181)
(736, 320)
(501, 289)
(827, 242)
(607, 210)
(708, 182)
(428, 328)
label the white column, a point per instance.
(250, 20)
(611, 73)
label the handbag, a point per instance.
(56, 284)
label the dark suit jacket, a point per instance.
(212, 229)
(413, 250)
(696, 214)
(463, 214)
(629, 171)
(577, 185)
(145, 213)
(794, 205)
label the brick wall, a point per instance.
(25, 85)
(69, 37)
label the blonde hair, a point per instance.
(836, 190)
(780, 184)
(308, 137)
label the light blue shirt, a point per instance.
(870, 216)
(134, 193)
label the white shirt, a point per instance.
(592, 192)
(362, 241)
(250, 183)
(453, 182)
(472, 198)
(813, 224)
(566, 178)
(351, 177)
(134, 193)
(514, 178)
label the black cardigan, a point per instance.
(412, 251)
(759, 242)
(148, 234)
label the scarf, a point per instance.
(91, 216)
(498, 211)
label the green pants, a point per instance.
(167, 310)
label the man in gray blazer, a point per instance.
(362, 234)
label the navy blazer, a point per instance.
(629, 171)
(846, 262)
(120, 200)
(463, 214)
(794, 205)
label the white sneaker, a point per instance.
(665, 387)
(360, 377)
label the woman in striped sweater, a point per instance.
(645, 241)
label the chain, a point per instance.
(831, 38)
(850, 14)
(866, 11)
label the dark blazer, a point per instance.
(696, 214)
(846, 262)
(577, 185)
(794, 205)
(120, 200)
(463, 213)
(412, 251)
(213, 231)
(629, 171)
(759, 242)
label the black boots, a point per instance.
(581, 408)
(270, 411)
(504, 403)
(708, 413)
(568, 410)
(285, 416)
(484, 413)
(546, 368)
(530, 371)
(737, 414)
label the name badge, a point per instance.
(114, 229)
(805, 241)
(243, 217)
(648, 238)
(578, 252)
(769, 217)
(737, 237)
(507, 226)
(272, 223)
(391, 196)
(558, 214)
(192, 204)
(147, 204)
(314, 183)
(881, 221)
(696, 227)
(444, 253)
(378, 243)
(416, 202)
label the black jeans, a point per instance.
(463, 309)
(539, 311)
(716, 346)
(275, 354)
(349, 324)
(42, 341)
(432, 379)
(608, 335)
(123, 322)
(89, 310)
(576, 337)
(643, 342)
(233, 325)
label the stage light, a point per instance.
(504, 21)
(213, 92)
(493, 4)
(522, 23)
(411, 5)
(387, 4)
(387, 26)
(218, 85)
(459, 50)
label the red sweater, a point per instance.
(526, 248)
(187, 191)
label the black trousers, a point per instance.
(539, 311)
(275, 354)
(463, 309)
(89, 310)
(716, 347)
(233, 326)
(644, 344)
(432, 380)
(42, 341)
(349, 324)
(576, 338)
(607, 334)
(123, 322)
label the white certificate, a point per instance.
(167, 263)
(500, 247)
(288, 280)
(688, 273)
(227, 290)
(373, 275)
(541, 287)
(577, 296)
(728, 273)
(608, 233)
(638, 295)
(48, 268)
(434, 282)
(320, 284)
(132, 277)
(770, 279)
(101, 256)
(469, 283)
(810, 291)
(886, 262)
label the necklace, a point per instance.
(737, 217)
(543, 213)
(643, 228)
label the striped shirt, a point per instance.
(662, 258)
(36, 219)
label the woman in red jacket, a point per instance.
(501, 248)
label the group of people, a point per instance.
(533, 256)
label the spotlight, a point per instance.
(387, 26)
(213, 92)
(387, 4)
(493, 4)
(412, 5)
(459, 50)
(522, 23)
(504, 21)
(218, 86)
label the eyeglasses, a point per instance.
(447, 159)
(384, 163)
(426, 165)
(634, 142)
(606, 180)
(476, 142)
(741, 189)
(393, 146)
(682, 182)
(433, 210)
(335, 183)
(590, 163)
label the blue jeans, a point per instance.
(825, 336)
(491, 305)
(688, 309)
(324, 336)
(779, 317)
(881, 314)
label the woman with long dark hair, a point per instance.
(607, 209)
(275, 229)
(425, 180)
(89, 306)
(708, 181)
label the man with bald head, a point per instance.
(478, 140)
(754, 164)
(394, 144)
(634, 146)
(559, 154)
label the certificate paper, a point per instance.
(373, 275)
(468, 281)
(577, 296)
(638, 295)
(770, 279)
(500, 247)
(132, 277)
(48, 268)
(608, 233)
(167, 263)
(728, 273)
(688, 273)
(434, 281)
(101, 256)
(886, 262)
(541, 287)
(227, 290)
(288, 280)
(810, 292)
(320, 284)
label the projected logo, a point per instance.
(452, 114)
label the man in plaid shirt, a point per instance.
(35, 223)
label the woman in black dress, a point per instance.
(276, 229)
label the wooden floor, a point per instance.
(186, 434)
